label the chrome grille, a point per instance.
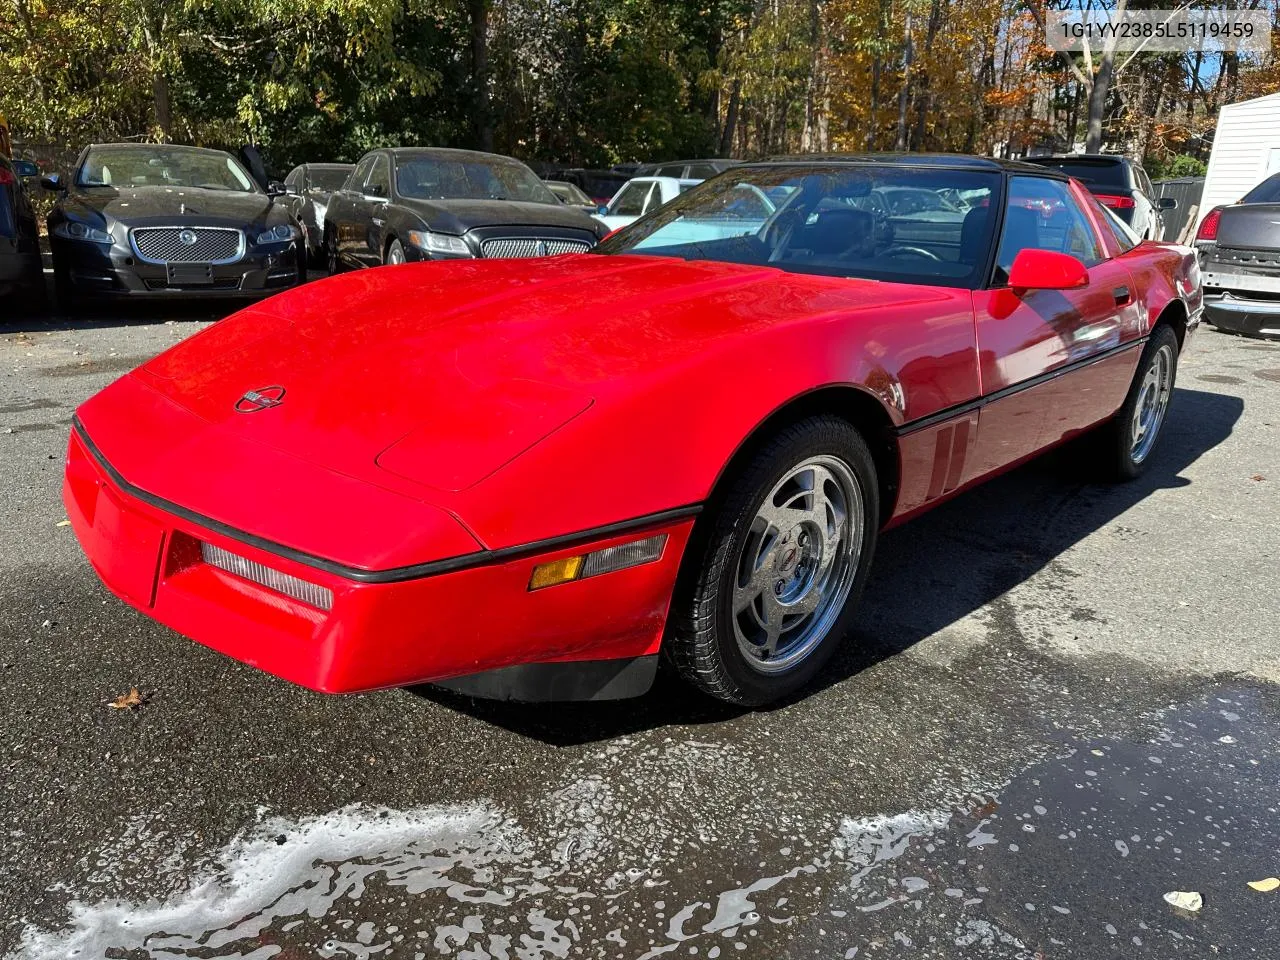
(165, 244)
(531, 247)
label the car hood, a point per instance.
(132, 204)
(431, 379)
(459, 216)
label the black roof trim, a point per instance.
(954, 161)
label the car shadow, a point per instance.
(928, 574)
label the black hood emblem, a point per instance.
(260, 399)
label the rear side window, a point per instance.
(1268, 191)
(1123, 234)
(671, 170)
(701, 171)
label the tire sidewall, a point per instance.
(391, 247)
(1127, 467)
(836, 439)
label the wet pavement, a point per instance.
(1060, 705)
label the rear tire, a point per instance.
(770, 589)
(1127, 442)
(332, 263)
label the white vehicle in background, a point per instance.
(640, 196)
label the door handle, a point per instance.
(1121, 294)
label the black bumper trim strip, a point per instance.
(481, 558)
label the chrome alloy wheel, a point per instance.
(396, 253)
(1153, 401)
(797, 564)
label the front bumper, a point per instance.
(479, 616)
(98, 270)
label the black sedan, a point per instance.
(149, 220)
(433, 204)
(21, 274)
(1239, 249)
(309, 187)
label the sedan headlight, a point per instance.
(278, 234)
(75, 230)
(439, 243)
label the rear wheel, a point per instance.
(1128, 440)
(331, 253)
(776, 578)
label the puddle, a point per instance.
(1071, 857)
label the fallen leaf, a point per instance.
(127, 701)
(1184, 899)
(1258, 477)
(64, 523)
(1265, 886)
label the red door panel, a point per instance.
(1041, 352)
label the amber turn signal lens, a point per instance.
(555, 571)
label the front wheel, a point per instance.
(1128, 440)
(773, 584)
(331, 253)
(395, 253)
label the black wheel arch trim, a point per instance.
(480, 558)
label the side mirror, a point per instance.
(1047, 270)
(25, 169)
(1168, 203)
(276, 189)
(603, 209)
(53, 182)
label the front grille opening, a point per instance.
(521, 247)
(312, 594)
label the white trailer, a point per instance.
(1246, 150)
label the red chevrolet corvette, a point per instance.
(530, 478)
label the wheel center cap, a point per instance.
(789, 558)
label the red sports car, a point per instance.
(530, 478)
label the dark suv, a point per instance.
(1118, 183)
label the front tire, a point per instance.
(773, 585)
(1128, 440)
(395, 253)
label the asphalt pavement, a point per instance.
(1059, 706)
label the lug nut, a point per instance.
(777, 588)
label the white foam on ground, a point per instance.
(282, 869)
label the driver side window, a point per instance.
(379, 183)
(630, 202)
(355, 183)
(1041, 214)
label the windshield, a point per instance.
(445, 178)
(161, 166)
(1268, 191)
(829, 219)
(328, 179)
(1093, 173)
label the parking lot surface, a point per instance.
(1060, 705)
